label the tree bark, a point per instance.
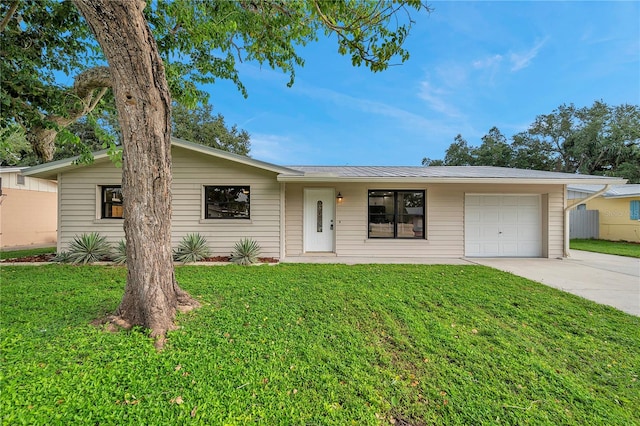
(143, 101)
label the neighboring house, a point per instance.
(293, 212)
(28, 209)
(618, 207)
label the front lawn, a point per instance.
(619, 248)
(319, 345)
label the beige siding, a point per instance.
(191, 172)
(444, 220)
(80, 203)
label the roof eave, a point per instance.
(237, 158)
(622, 196)
(500, 180)
(52, 169)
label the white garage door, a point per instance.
(503, 226)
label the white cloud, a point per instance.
(436, 98)
(277, 149)
(488, 62)
(367, 105)
(523, 60)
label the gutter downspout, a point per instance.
(567, 209)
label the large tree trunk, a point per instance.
(143, 101)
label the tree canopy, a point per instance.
(148, 55)
(199, 42)
(199, 125)
(598, 140)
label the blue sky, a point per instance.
(473, 65)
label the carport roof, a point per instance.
(616, 191)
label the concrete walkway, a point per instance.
(606, 279)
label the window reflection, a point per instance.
(396, 214)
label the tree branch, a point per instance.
(88, 89)
(9, 15)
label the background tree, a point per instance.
(494, 150)
(596, 140)
(199, 42)
(428, 162)
(531, 153)
(200, 126)
(459, 153)
(15, 150)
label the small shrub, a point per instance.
(120, 253)
(245, 252)
(88, 248)
(192, 248)
(62, 257)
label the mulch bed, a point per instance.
(228, 259)
(50, 256)
(37, 258)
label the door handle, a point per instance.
(331, 226)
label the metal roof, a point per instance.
(405, 174)
(616, 191)
(437, 173)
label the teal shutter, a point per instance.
(635, 210)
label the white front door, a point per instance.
(503, 226)
(319, 217)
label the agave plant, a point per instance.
(120, 253)
(88, 248)
(62, 257)
(192, 248)
(245, 252)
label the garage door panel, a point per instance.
(503, 225)
(508, 247)
(489, 216)
(508, 216)
(492, 249)
(472, 200)
(508, 232)
(474, 215)
(528, 233)
(528, 249)
(508, 201)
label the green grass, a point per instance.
(620, 248)
(13, 254)
(317, 345)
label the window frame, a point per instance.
(419, 234)
(104, 203)
(244, 189)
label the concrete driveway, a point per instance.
(605, 279)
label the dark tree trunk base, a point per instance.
(118, 321)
